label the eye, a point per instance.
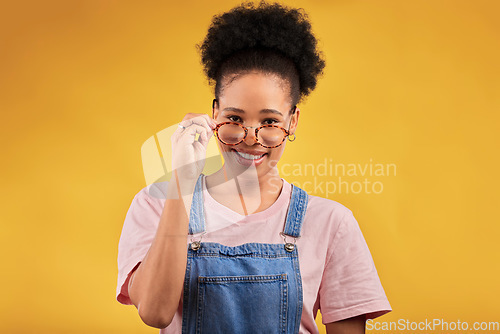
(233, 118)
(270, 121)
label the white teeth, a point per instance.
(249, 156)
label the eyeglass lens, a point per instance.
(231, 134)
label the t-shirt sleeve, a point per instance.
(350, 285)
(138, 232)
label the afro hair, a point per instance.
(271, 38)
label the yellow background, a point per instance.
(84, 83)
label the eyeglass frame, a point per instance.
(257, 128)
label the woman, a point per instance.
(262, 255)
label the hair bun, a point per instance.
(268, 26)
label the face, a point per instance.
(253, 100)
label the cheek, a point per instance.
(276, 153)
(222, 147)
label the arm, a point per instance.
(350, 284)
(354, 325)
(155, 287)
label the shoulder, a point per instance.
(156, 191)
(146, 206)
(326, 218)
(153, 194)
(326, 209)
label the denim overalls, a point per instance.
(249, 288)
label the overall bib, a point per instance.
(249, 288)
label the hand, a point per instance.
(189, 153)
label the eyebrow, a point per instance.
(263, 111)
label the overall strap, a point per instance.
(196, 214)
(296, 212)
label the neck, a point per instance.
(267, 185)
(248, 183)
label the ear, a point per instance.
(215, 108)
(294, 121)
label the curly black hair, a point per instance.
(271, 38)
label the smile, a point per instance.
(249, 156)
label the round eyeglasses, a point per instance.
(268, 135)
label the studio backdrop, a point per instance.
(402, 129)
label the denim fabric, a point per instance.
(196, 217)
(249, 288)
(295, 218)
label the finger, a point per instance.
(188, 136)
(205, 139)
(187, 122)
(200, 119)
(178, 133)
(192, 118)
(203, 121)
(212, 123)
(195, 120)
(205, 116)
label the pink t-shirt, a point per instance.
(336, 267)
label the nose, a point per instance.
(250, 139)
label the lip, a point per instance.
(249, 162)
(249, 152)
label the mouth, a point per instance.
(248, 155)
(247, 158)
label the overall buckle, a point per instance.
(289, 247)
(196, 244)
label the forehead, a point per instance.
(255, 91)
